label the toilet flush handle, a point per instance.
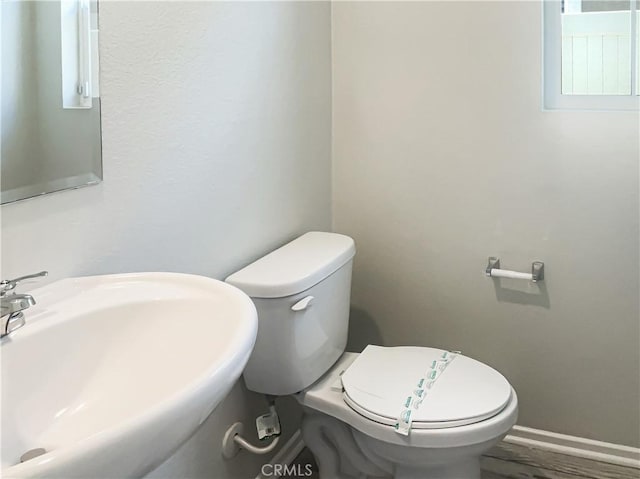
(302, 304)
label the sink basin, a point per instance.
(111, 374)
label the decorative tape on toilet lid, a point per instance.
(422, 389)
(377, 384)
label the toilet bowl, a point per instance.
(349, 444)
(402, 412)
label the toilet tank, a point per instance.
(301, 292)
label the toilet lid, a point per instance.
(378, 382)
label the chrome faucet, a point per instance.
(12, 304)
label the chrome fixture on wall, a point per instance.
(493, 270)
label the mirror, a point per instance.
(50, 97)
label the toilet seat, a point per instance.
(326, 397)
(377, 384)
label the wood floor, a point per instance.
(507, 461)
(519, 462)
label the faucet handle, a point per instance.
(7, 285)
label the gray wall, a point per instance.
(216, 142)
(442, 157)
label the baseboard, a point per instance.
(523, 436)
(285, 455)
(575, 446)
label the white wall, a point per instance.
(216, 143)
(443, 157)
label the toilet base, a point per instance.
(345, 453)
(337, 453)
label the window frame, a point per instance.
(553, 99)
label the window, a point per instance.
(591, 54)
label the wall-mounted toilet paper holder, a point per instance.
(493, 270)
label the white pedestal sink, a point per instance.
(112, 373)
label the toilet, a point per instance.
(388, 412)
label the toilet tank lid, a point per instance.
(296, 266)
